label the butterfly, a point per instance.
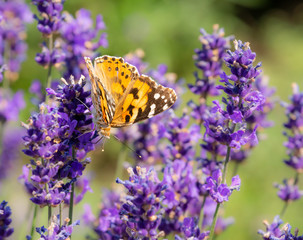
(121, 96)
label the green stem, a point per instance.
(283, 209)
(121, 159)
(49, 72)
(212, 230)
(202, 212)
(60, 213)
(71, 200)
(225, 164)
(236, 167)
(296, 178)
(71, 203)
(34, 221)
(49, 215)
(213, 225)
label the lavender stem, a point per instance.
(202, 212)
(212, 229)
(49, 72)
(34, 220)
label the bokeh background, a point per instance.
(167, 31)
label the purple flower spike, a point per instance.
(190, 230)
(220, 191)
(228, 125)
(275, 231)
(51, 18)
(5, 220)
(57, 231)
(181, 195)
(182, 139)
(15, 14)
(10, 106)
(141, 209)
(57, 141)
(288, 191)
(208, 59)
(108, 224)
(80, 38)
(294, 113)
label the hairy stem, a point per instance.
(218, 204)
(60, 213)
(212, 229)
(34, 221)
(49, 72)
(225, 165)
(283, 210)
(49, 215)
(201, 213)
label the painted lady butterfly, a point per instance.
(121, 96)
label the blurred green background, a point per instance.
(168, 30)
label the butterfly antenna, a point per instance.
(139, 156)
(84, 104)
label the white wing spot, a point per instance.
(162, 96)
(165, 100)
(156, 96)
(152, 110)
(165, 107)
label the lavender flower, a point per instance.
(78, 36)
(56, 142)
(141, 209)
(289, 191)
(220, 191)
(228, 126)
(192, 231)
(15, 15)
(36, 90)
(209, 60)
(10, 150)
(275, 231)
(181, 195)
(258, 118)
(294, 113)
(5, 220)
(10, 106)
(109, 224)
(51, 18)
(56, 230)
(182, 139)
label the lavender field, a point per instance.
(189, 125)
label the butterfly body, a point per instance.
(121, 96)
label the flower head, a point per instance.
(275, 231)
(80, 38)
(56, 231)
(220, 192)
(14, 16)
(190, 230)
(289, 191)
(5, 220)
(141, 209)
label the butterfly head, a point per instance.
(105, 132)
